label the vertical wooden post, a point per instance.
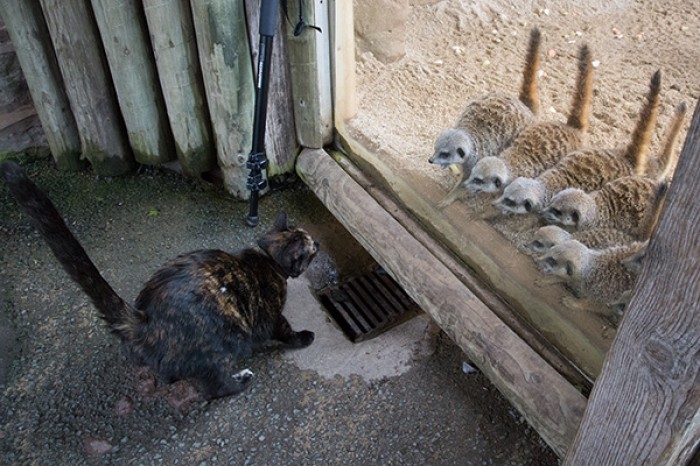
(343, 46)
(224, 54)
(173, 41)
(309, 57)
(645, 406)
(125, 39)
(280, 139)
(25, 23)
(88, 85)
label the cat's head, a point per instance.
(292, 248)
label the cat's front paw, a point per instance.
(243, 377)
(305, 338)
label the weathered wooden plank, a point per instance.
(645, 406)
(309, 58)
(173, 41)
(548, 402)
(25, 23)
(88, 85)
(125, 38)
(493, 258)
(224, 54)
(280, 139)
(343, 46)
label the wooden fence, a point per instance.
(120, 82)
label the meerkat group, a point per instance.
(599, 205)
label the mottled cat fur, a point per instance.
(597, 276)
(490, 124)
(541, 145)
(199, 313)
(629, 204)
(587, 169)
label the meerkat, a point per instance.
(664, 165)
(586, 169)
(539, 146)
(597, 277)
(629, 204)
(490, 124)
(596, 238)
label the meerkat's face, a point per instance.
(522, 196)
(572, 208)
(454, 146)
(547, 237)
(566, 259)
(489, 175)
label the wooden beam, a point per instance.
(88, 85)
(343, 46)
(173, 41)
(645, 406)
(546, 400)
(224, 55)
(281, 144)
(125, 38)
(28, 32)
(309, 57)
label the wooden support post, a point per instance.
(280, 139)
(343, 45)
(309, 57)
(173, 41)
(130, 58)
(224, 54)
(645, 406)
(546, 400)
(88, 85)
(25, 23)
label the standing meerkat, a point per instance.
(596, 277)
(490, 124)
(586, 169)
(628, 204)
(541, 145)
(549, 236)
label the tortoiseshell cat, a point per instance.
(201, 312)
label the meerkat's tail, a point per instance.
(581, 104)
(654, 211)
(668, 157)
(528, 90)
(637, 152)
(75, 261)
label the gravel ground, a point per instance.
(69, 397)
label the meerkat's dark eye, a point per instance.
(528, 206)
(478, 181)
(461, 152)
(537, 244)
(554, 211)
(574, 217)
(569, 269)
(509, 202)
(497, 182)
(551, 261)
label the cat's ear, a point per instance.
(280, 222)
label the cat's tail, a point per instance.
(120, 316)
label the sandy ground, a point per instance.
(67, 396)
(457, 50)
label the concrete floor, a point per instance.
(69, 397)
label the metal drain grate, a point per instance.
(368, 305)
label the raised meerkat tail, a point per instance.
(637, 152)
(75, 261)
(648, 226)
(668, 158)
(528, 90)
(583, 93)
